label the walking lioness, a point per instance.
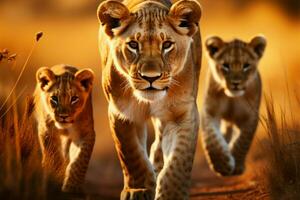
(64, 114)
(231, 105)
(151, 59)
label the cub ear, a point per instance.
(85, 78)
(113, 16)
(45, 78)
(259, 44)
(213, 45)
(185, 16)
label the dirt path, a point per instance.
(205, 186)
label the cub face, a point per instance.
(234, 64)
(64, 95)
(150, 43)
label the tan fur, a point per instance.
(128, 70)
(65, 126)
(231, 106)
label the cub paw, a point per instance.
(70, 189)
(72, 196)
(137, 194)
(224, 166)
(239, 170)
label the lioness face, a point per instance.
(150, 45)
(234, 64)
(64, 96)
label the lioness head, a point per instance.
(234, 64)
(64, 92)
(150, 42)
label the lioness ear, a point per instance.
(114, 16)
(85, 78)
(45, 78)
(213, 45)
(185, 16)
(259, 44)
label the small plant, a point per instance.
(281, 175)
(4, 55)
(20, 168)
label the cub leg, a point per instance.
(240, 145)
(178, 145)
(216, 147)
(227, 130)
(51, 151)
(79, 154)
(139, 178)
(52, 158)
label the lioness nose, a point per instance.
(150, 70)
(150, 79)
(150, 76)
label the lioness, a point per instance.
(231, 107)
(151, 59)
(64, 114)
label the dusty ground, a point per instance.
(205, 184)
(208, 188)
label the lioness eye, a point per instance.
(167, 45)
(54, 100)
(226, 67)
(133, 45)
(74, 99)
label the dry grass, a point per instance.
(22, 175)
(21, 171)
(281, 174)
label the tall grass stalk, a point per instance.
(281, 174)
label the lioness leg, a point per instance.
(139, 179)
(179, 141)
(216, 147)
(156, 154)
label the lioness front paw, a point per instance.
(137, 194)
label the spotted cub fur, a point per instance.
(232, 100)
(64, 114)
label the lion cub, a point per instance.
(231, 104)
(64, 114)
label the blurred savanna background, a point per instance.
(70, 36)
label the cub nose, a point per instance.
(236, 84)
(63, 116)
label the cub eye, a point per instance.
(133, 45)
(246, 66)
(74, 99)
(226, 67)
(167, 45)
(54, 100)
